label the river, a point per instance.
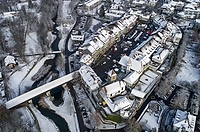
(56, 92)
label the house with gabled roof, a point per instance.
(183, 120)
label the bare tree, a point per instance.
(132, 126)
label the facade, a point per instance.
(90, 79)
(112, 76)
(91, 4)
(106, 39)
(76, 36)
(114, 89)
(114, 14)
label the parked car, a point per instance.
(115, 49)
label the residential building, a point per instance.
(90, 78)
(10, 61)
(132, 64)
(191, 10)
(91, 4)
(77, 36)
(167, 9)
(132, 78)
(114, 89)
(152, 2)
(114, 14)
(137, 3)
(160, 55)
(106, 39)
(112, 76)
(184, 121)
(146, 84)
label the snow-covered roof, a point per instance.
(9, 60)
(117, 12)
(111, 73)
(122, 103)
(90, 77)
(91, 49)
(146, 81)
(160, 55)
(132, 77)
(91, 2)
(112, 15)
(150, 47)
(138, 2)
(86, 59)
(114, 87)
(138, 93)
(134, 64)
(184, 119)
(189, 6)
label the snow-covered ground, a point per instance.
(67, 24)
(66, 110)
(188, 71)
(45, 124)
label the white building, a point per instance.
(132, 78)
(114, 89)
(106, 39)
(114, 14)
(77, 36)
(10, 61)
(91, 4)
(145, 84)
(160, 55)
(90, 78)
(131, 64)
(184, 121)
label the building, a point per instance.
(160, 55)
(114, 14)
(132, 64)
(77, 36)
(146, 84)
(191, 10)
(10, 61)
(112, 76)
(184, 121)
(91, 4)
(114, 89)
(90, 78)
(132, 78)
(105, 39)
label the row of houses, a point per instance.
(140, 75)
(190, 9)
(105, 39)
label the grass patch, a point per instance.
(115, 118)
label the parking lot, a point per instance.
(139, 33)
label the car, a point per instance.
(114, 61)
(104, 63)
(83, 109)
(115, 49)
(108, 58)
(125, 49)
(85, 115)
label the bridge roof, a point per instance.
(39, 90)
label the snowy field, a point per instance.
(188, 71)
(66, 110)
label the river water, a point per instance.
(56, 92)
